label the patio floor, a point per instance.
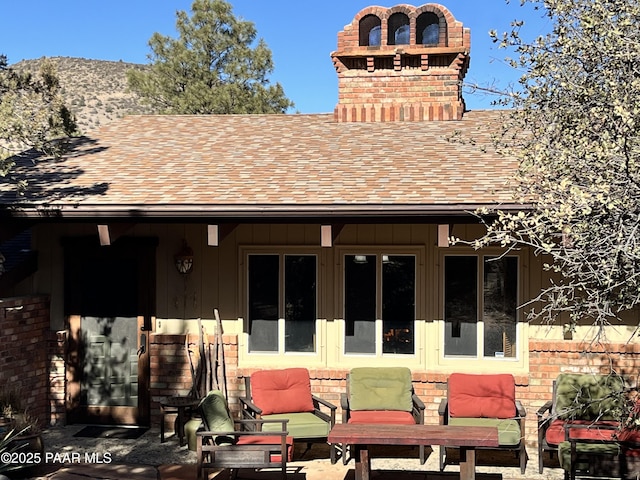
(146, 458)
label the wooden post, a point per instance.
(443, 235)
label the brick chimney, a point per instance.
(402, 63)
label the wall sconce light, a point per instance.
(184, 259)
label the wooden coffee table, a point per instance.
(363, 435)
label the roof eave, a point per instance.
(236, 212)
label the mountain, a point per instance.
(95, 90)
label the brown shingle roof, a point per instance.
(262, 163)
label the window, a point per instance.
(282, 292)
(379, 304)
(485, 284)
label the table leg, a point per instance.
(180, 425)
(363, 462)
(162, 425)
(467, 463)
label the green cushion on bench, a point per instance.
(587, 451)
(380, 388)
(508, 430)
(587, 397)
(301, 425)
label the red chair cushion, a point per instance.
(555, 433)
(632, 452)
(476, 396)
(268, 440)
(282, 391)
(631, 436)
(391, 417)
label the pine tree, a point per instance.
(212, 68)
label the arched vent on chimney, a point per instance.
(398, 27)
(428, 29)
(370, 30)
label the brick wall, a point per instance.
(171, 370)
(24, 346)
(407, 96)
(171, 376)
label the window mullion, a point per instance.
(379, 305)
(480, 283)
(281, 305)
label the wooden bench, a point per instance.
(363, 435)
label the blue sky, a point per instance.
(300, 33)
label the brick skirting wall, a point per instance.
(25, 341)
(170, 374)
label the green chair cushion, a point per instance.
(508, 430)
(380, 388)
(586, 452)
(216, 416)
(301, 425)
(587, 397)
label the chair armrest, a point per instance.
(331, 417)
(546, 408)
(417, 403)
(205, 439)
(522, 413)
(544, 421)
(418, 409)
(249, 409)
(253, 423)
(324, 402)
(261, 421)
(344, 405)
(442, 411)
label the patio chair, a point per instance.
(286, 395)
(239, 444)
(381, 395)
(586, 405)
(485, 400)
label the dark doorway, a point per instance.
(109, 303)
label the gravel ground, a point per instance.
(309, 465)
(145, 450)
